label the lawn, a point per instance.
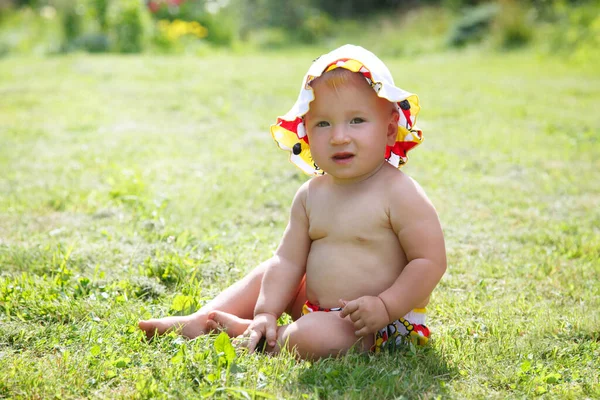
(141, 186)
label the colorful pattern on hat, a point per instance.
(290, 134)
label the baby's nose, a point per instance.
(339, 135)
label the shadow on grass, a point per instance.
(407, 372)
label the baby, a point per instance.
(363, 249)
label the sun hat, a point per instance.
(290, 134)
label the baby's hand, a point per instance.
(368, 314)
(264, 324)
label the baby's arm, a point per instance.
(417, 225)
(283, 274)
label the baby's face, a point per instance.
(348, 128)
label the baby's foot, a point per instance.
(233, 325)
(189, 326)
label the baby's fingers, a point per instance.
(364, 331)
(359, 324)
(271, 335)
(253, 340)
(347, 308)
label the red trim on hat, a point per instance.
(401, 148)
(292, 126)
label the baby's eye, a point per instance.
(322, 124)
(357, 120)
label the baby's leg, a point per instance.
(235, 326)
(322, 334)
(315, 335)
(238, 300)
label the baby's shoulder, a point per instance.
(395, 179)
(316, 184)
(402, 188)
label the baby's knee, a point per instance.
(318, 339)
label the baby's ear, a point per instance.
(392, 131)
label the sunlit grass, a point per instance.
(138, 186)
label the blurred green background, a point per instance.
(142, 185)
(391, 28)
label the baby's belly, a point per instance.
(347, 271)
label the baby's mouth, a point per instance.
(342, 156)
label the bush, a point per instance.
(129, 25)
(219, 18)
(513, 26)
(474, 25)
(315, 27)
(358, 8)
(29, 31)
(72, 23)
(457, 5)
(178, 35)
(222, 27)
(573, 32)
(100, 9)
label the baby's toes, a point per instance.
(241, 341)
(213, 325)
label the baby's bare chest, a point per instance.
(356, 219)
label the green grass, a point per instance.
(139, 186)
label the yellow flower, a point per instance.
(178, 28)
